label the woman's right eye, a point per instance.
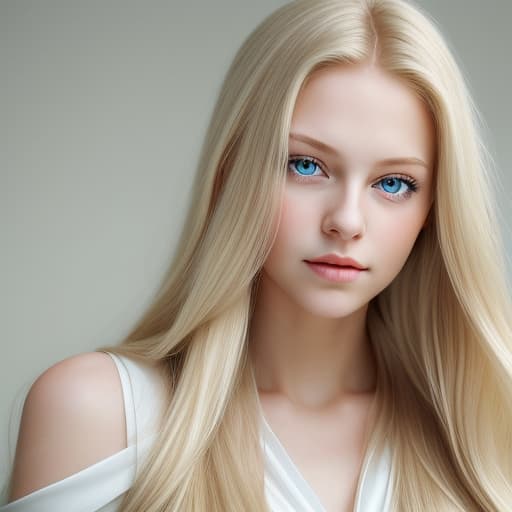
(304, 166)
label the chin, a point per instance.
(332, 309)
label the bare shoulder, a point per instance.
(73, 417)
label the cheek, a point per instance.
(396, 240)
(296, 216)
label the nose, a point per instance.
(344, 216)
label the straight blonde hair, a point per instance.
(441, 331)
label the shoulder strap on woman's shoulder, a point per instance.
(145, 397)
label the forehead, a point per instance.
(364, 112)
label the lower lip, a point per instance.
(334, 273)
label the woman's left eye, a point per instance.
(303, 166)
(398, 187)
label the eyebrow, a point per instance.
(328, 149)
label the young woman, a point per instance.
(326, 339)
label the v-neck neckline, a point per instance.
(290, 467)
(298, 479)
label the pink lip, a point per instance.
(335, 273)
(340, 261)
(336, 268)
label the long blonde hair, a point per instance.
(441, 331)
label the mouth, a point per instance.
(332, 265)
(337, 261)
(333, 272)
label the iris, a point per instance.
(394, 185)
(305, 166)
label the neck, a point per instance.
(312, 361)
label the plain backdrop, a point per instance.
(104, 105)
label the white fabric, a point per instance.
(288, 491)
(100, 487)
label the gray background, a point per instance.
(104, 106)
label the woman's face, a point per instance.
(347, 194)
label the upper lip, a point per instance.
(342, 261)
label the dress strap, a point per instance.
(128, 399)
(145, 391)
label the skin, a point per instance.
(314, 366)
(308, 338)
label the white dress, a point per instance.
(100, 487)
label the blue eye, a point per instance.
(303, 166)
(394, 185)
(398, 187)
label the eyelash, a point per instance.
(411, 183)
